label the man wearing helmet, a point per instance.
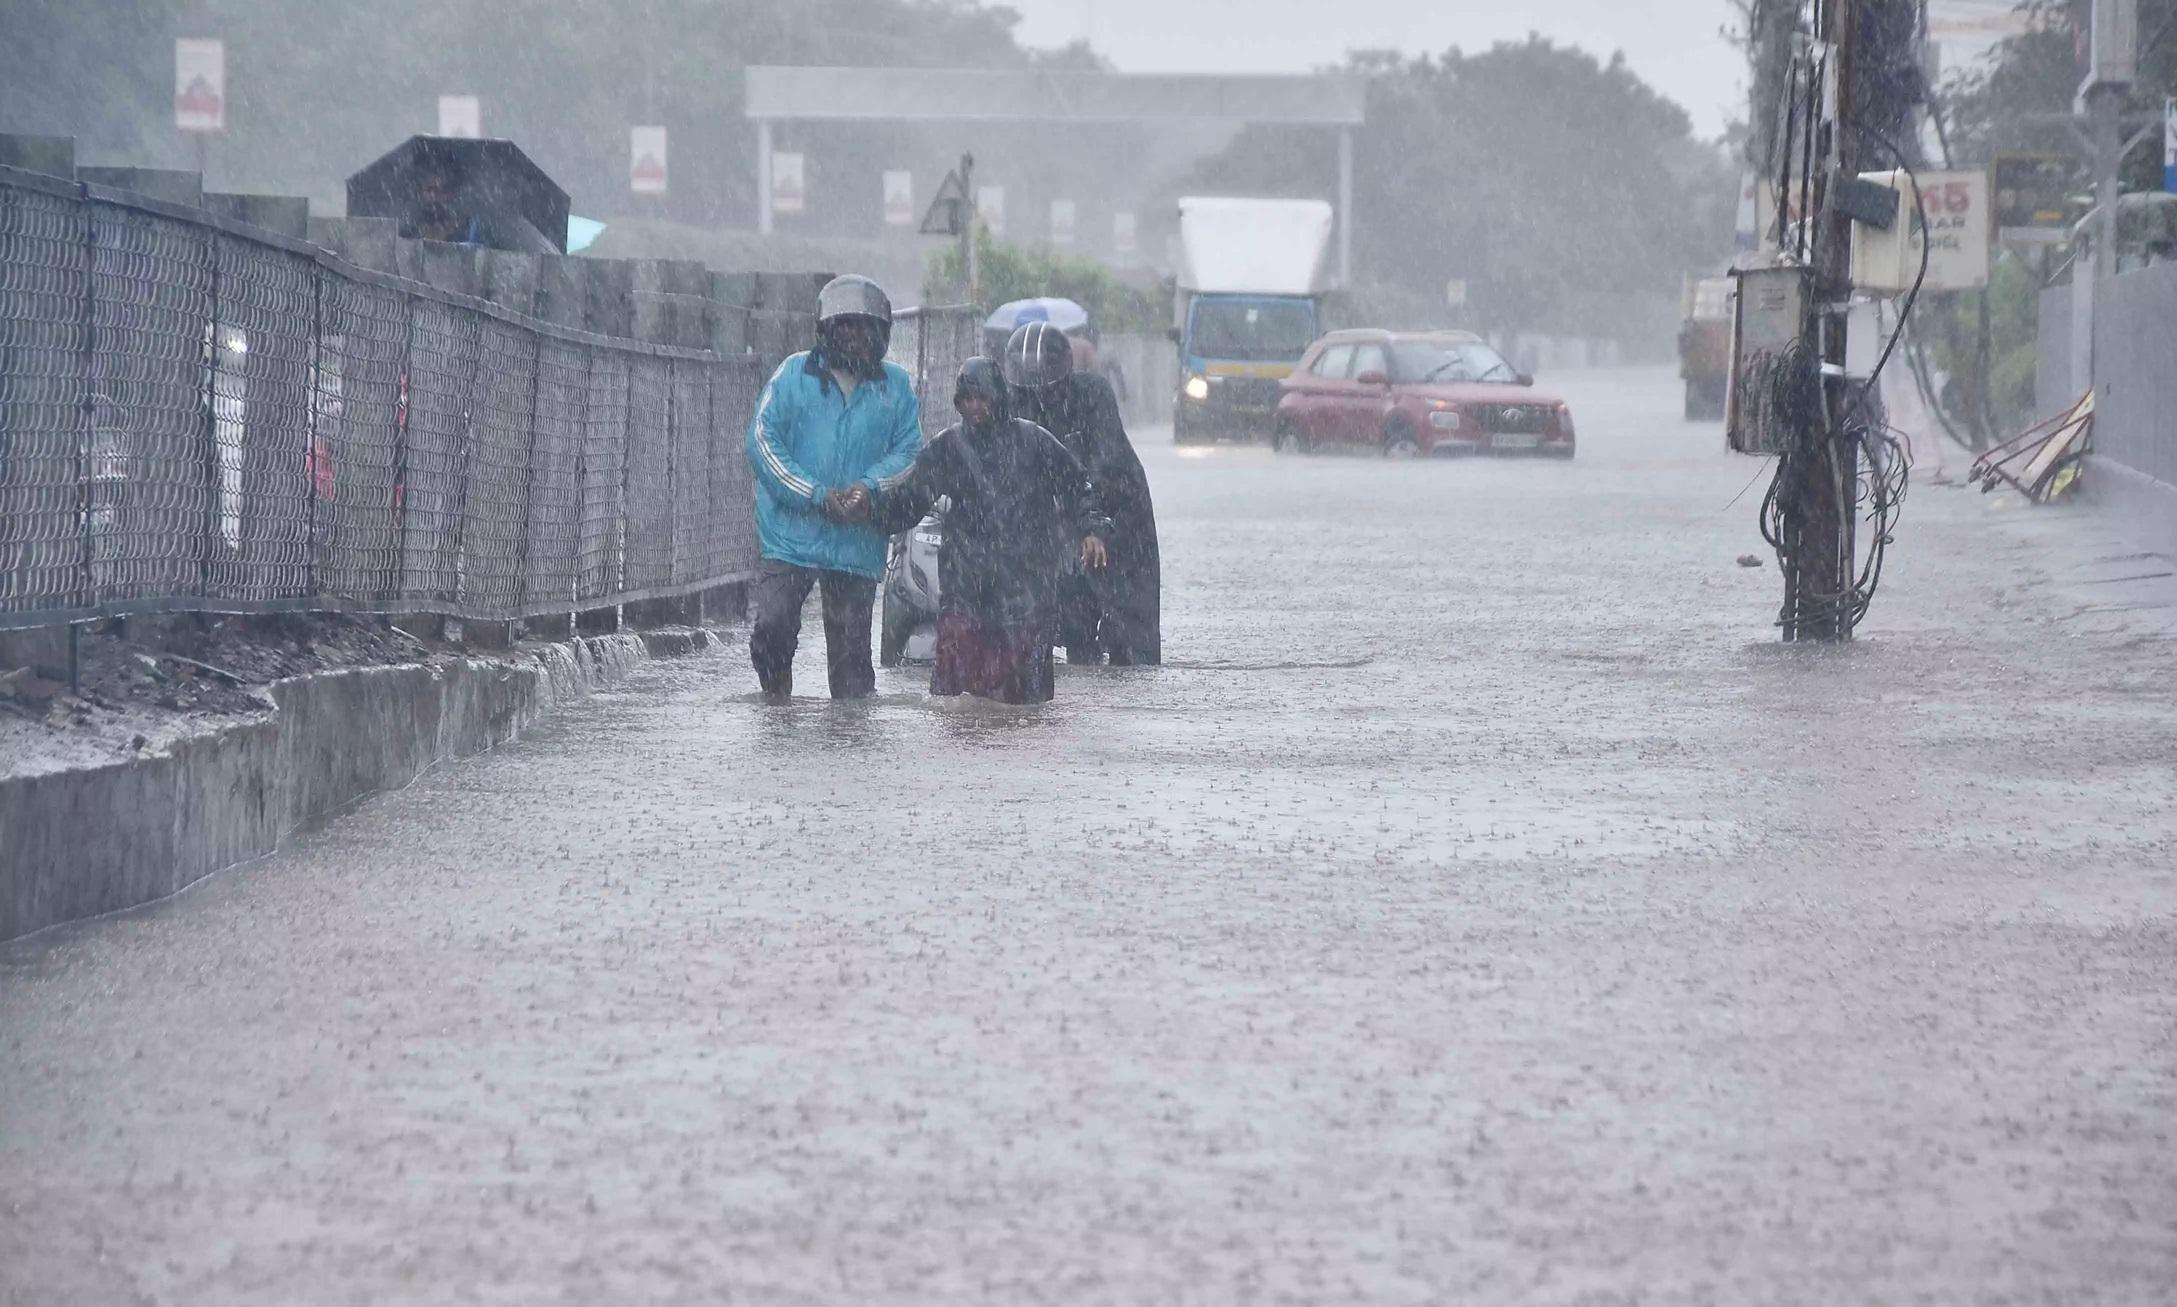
(1021, 506)
(831, 424)
(1113, 615)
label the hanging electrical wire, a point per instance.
(1831, 448)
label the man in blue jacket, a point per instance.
(833, 422)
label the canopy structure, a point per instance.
(1037, 95)
(778, 93)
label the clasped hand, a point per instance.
(848, 505)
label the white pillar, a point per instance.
(763, 176)
(1345, 207)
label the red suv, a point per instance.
(1416, 392)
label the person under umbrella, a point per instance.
(1021, 505)
(1113, 615)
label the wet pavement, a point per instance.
(1481, 907)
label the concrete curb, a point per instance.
(82, 843)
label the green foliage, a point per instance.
(1993, 109)
(2006, 106)
(1011, 271)
(1951, 325)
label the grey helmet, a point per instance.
(1037, 357)
(850, 297)
(853, 295)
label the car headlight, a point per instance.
(1197, 388)
(1445, 419)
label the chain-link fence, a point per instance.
(195, 418)
(932, 343)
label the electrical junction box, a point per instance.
(1770, 314)
(1956, 230)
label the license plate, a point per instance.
(1514, 440)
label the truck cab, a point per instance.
(1251, 286)
(1234, 350)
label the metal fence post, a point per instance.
(86, 435)
(468, 451)
(87, 432)
(558, 621)
(211, 416)
(311, 455)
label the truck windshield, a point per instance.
(1257, 331)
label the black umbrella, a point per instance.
(483, 192)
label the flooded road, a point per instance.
(1481, 906)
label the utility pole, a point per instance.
(1853, 88)
(1820, 534)
(970, 281)
(1771, 26)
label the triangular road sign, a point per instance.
(948, 208)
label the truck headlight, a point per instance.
(1197, 388)
(1445, 419)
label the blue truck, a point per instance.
(1252, 278)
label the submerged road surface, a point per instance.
(1481, 907)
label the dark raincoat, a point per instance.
(1021, 505)
(1116, 614)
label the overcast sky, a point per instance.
(1672, 44)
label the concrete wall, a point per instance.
(2135, 371)
(2134, 465)
(78, 843)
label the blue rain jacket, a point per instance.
(808, 439)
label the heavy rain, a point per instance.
(808, 651)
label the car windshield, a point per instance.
(1430, 360)
(1260, 331)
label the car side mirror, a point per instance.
(1374, 377)
(1526, 378)
(1172, 334)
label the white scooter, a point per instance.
(909, 630)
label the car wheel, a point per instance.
(1399, 442)
(1182, 430)
(1286, 438)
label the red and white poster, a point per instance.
(646, 160)
(990, 207)
(460, 115)
(1061, 222)
(200, 84)
(789, 182)
(1122, 234)
(899, 199)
